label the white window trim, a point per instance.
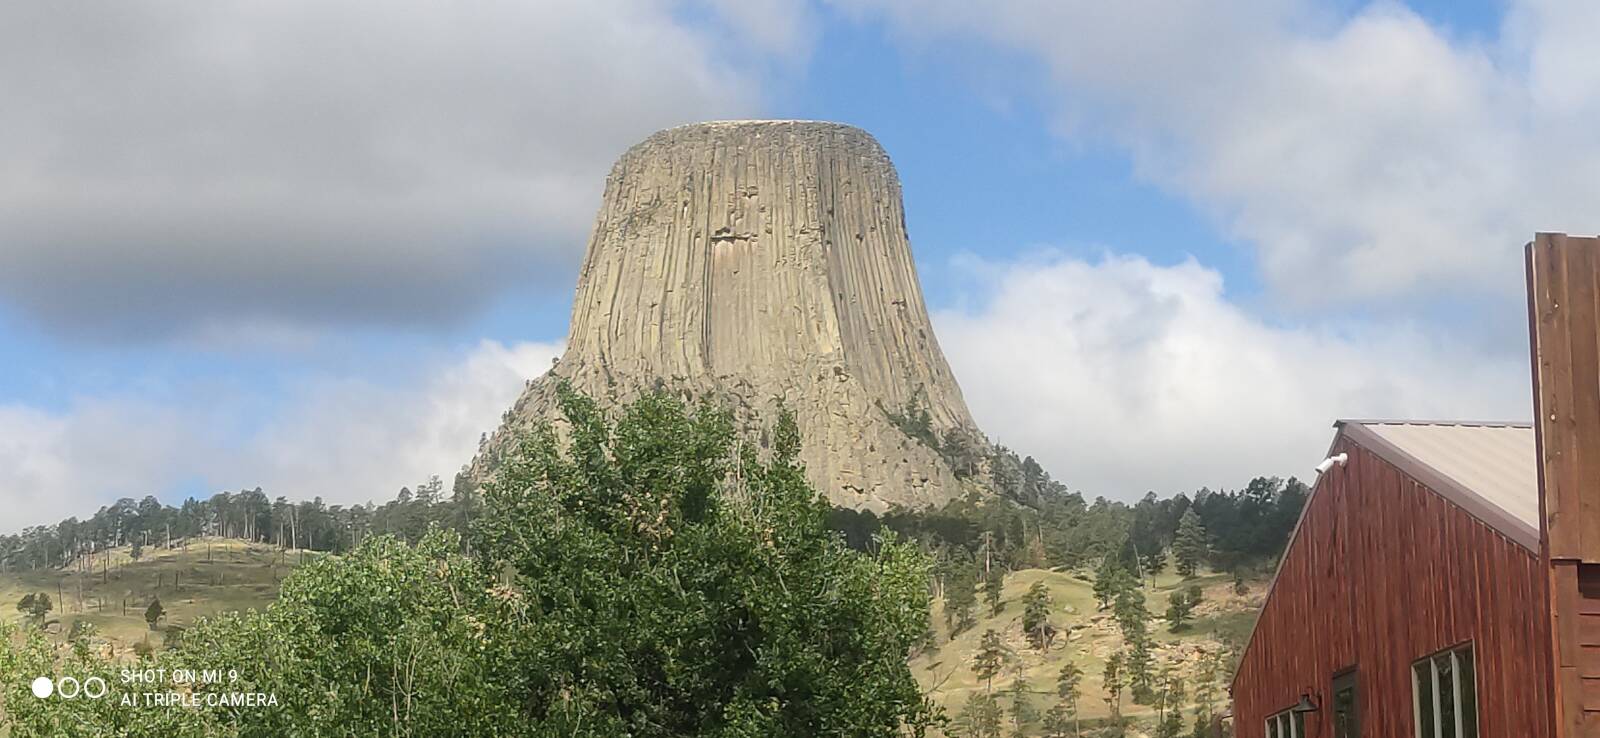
(1454, 655)
(1286, 726)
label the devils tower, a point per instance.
(759, 262)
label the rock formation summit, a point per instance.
(758, 262)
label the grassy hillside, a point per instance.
(205, 577)
(217, 575)
(1086, 636)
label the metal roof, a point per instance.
(1489, 469)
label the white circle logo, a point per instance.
(42, 687)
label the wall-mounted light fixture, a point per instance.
(1306, 704)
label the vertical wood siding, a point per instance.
(1381, 572)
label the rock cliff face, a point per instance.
(763, 261)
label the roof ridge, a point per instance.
(1434, 422)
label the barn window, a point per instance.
(1444, 695)
(1287, 724)
(1346, 706)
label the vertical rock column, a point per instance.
(759, 261)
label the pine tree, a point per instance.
(1069, 687)
(1205, 688)
(960, 595)
(1190, 546)
(1171, 726)
(1023, 712)
(990, 658)
(1179, 607)
(1036, 616)
(981, 716)
(1173, 695)
(1131, 614)
(1140, 672)
(1112, 678)
(1057, 723)
(1154, 561)
(1110, 579)
(992, 582)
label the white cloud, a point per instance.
(1376, 156)
(315, 162)
(347, 440)
(1122, 376)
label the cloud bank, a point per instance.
(1375, 156)
(1122, 376)
(326, 163)
(343, 438)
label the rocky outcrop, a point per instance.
(758, 262)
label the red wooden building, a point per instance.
(1423, 544)
(1444, 579)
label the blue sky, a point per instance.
(1154, 231)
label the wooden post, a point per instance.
(1564, 340)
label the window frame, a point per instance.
(1286, 724)
(1431, 701)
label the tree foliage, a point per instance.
(1036, 616)
(960, 597)
(1180, 606)
(1189, 546)
(990, 658)
(648, 576)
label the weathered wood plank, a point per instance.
(1584, 442)
(1551, 340)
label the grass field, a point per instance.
(205, 577)
(1086, 636)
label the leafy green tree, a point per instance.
(1190, 546)
(1036, 616)
(641, 577)
(665, 585)
(79, 636)
(36, 606)
(992, 583)
(990, 658)
(960, 597)
(154, 613)
(1179, 609)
